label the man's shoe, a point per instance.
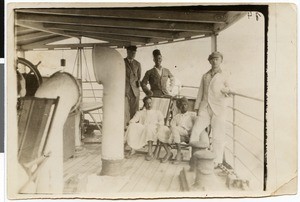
(130, 154)
(149, 157)
(178, 160)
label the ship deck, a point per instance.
(81, 174)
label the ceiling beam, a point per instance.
(164, 14)
(39, 27)
(109, 39)
(24, 30)
(74, 46)
(109, 36)
(233, 16)
(36, 35)
(108, 30)
(33, 40)
(120, 23)
(41, 43)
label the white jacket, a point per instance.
(217, 90)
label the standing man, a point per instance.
(132, 91)
(157, 77)
(210, 107)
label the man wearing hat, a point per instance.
(210, 106)
(157, 77)
(132, 83)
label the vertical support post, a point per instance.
(214, 43)
(233, 131)
(79, 118)
(21, 68)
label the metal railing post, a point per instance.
(233, 131)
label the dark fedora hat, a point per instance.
(131, 48)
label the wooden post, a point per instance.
(214, 43)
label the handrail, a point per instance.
(245, 114)
(183, 86)
(245, 130)
(240, 143)
(243, 163)
(245, 96)
(230, 93)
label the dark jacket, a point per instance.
(133, 76)
(157, 83)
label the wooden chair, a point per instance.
(173, 110)
(164, 104)
(35, 116)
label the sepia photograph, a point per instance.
(138, 101)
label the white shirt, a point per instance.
(159, 71)
(145, 117)
(185, 120)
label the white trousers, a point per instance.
(172, 135)
(138, 135)
(206, 117)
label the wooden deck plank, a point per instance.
(175, 184)
(167, 178)
(156, 178)
(88, 150)
(85, 169)
(143, 176)
(135, 177)
(80, 164)
(132, 170)
(90, 167)
(72, 162)
(132, 165)
(147, 176)
(128, 165)
(80, 168)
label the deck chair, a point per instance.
(35, 117)
(88, 107)
(164, 104)
(173, 111)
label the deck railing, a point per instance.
(238, 152)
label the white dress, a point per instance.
(143, 127)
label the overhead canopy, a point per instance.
(118, 27)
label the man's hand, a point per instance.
(150, 93)
(226, 91)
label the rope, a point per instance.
(89, 77)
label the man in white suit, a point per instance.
(210, 107)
